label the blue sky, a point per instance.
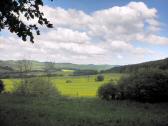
(96, 31)
(90, 6)
(93, 5)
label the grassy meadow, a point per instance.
(64, 111)
(80, 108)
(79, 86)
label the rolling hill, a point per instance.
(159, 64)
(12, 65)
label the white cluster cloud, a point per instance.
(64, 35)
(103, 36)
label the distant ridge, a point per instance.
(158, 64)
(11, 65)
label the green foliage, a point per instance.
(159, 64)
(68, 81)
(12, 10)
(146, 86)
(1, 86)
(36, 87)
(143, 86)
(57, 111)
(100, 78)
(9, 69)
(81, 86)
(108, 91)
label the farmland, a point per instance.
(83, 63)
(77, 106)
(79, 86)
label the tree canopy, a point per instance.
(12, 10)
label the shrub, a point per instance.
(100, 78)
(143, 86)
(36, 87)
(1, 86)
(108, 92)
(68, 81)
(146, 86)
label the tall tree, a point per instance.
(12, 10)
(24, 67)
(49, 67)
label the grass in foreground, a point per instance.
(59, 111)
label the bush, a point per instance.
(100, 78)
(36, 87)
(68, 81)
(1, 86)
(146, 86)
(108, 92)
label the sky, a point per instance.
(116, 32)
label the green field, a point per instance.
(80, 86)
(80, 108)
(58, 111)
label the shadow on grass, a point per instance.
(69, 111)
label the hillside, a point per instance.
(159, 64)
(11, 65)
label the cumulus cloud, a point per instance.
(65, 35)
(103, 36)
(155, 39)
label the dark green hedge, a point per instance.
(144, 86)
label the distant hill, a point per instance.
(159, 64)
(12, 65)
(5, 69)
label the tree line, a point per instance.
(159, 64)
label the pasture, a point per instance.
(80, 108)
(78, 86)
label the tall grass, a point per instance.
(59, 111)
(18, 110)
